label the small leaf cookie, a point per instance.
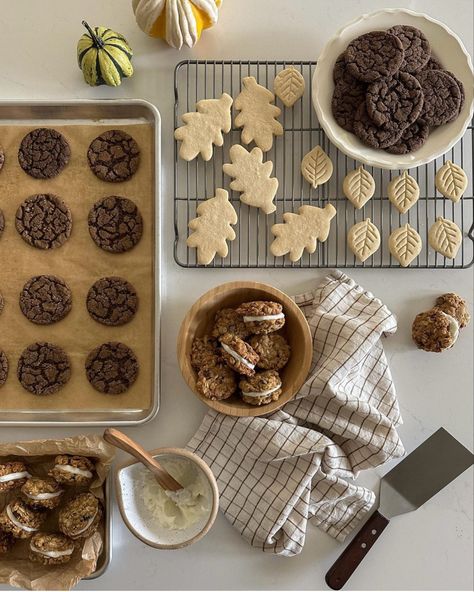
(203, 128)
(252, 178)
(316, 167)
(289, 86)
(451, 181)
(358, 187)
(445, 237)
(302, 231)
(363, 239)
(257, 114)
(212, 227)
(403, 192)
(405, 244)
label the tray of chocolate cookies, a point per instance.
(79, 242)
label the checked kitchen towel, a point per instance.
(277, 472)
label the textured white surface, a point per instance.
(429, 549)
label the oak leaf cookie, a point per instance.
(258, 115)
(289, 86)
(212, 227)
(363, 239)
(203, 128)
(405, 244)
(403, 191)
(114, 156)
(358, 187)
(316, 167)
(374, 55)
(252, 178)
(302, 231)
(451, 181)
(445, 237)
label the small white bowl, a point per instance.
(139, 519)
(447, 47)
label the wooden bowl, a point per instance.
(200, 319)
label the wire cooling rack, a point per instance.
(197, 180)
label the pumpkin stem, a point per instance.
(97, 41)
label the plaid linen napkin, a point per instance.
(277, 472)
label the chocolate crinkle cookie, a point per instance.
(262, 388)
(434, 330)
(433, 64)
(20, 520)
(372, 135)
(442, 97)
(45, 299)
(72, 470)
(454, 305)
(13, 475)
(204, 352)
(44, 221)
(2, 157)
(41, 494)
(6, 542)
(112, 368)
(273, 350)
(341, 73)
(417, 50)
(115, 224)
(216, 382)
(374, 55)
(238, 354)
(3, 368)
(43, 153)
(81, 516)
(112, 301)
(2, 223)
(43, 368)
(396, 101)
(412, 138)
(114, 156)
(228, 320)
(51, 548)
(262, 316)
(345, 102)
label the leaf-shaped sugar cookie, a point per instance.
(289, 86)
(405, 244)
(316, 167)
(445, 237)
(363, 239)
(451, 181)
(403, 192)
(358, 187)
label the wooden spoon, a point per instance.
(122, 441)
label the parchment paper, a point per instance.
(15, 567)
(80, 263)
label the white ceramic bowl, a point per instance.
(445, 44)
(138, 518)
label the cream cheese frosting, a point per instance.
(52, 554)
(261, 393)
(17, 523)
(236, 356)
(274, 317)
(14, 476)
(74, 470)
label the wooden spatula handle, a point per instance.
(357, 549)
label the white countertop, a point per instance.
(429, 549)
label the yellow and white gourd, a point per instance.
(178, 22)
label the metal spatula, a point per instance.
(415, 480)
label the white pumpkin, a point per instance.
(178, 22)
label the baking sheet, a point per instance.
(80, 263)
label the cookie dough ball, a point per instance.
(238, 355)
(6, 542)
(454, 305)
(41, 494)
(72, 470)
(51, 548)
(20, 520)
(216, 382)
(12, 476)
(228, 320)
(81, 516)
(204, 352)
(262, 388)
(434, 330)
(262, 316)
(273, 350)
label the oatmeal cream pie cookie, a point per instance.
(72, 470)
(12, 475)
(51, 548)
(434, 330)
(81, 516)
(20, 520)
(216, 382)
(262, 316)
(262, 388)
(204, 352)
(238, 354)
(273, 350)
(41, 494)
(228, 320)
(454, 305)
